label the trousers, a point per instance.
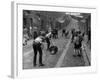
(37, 49)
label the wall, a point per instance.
(5, 41)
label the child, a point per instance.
(77, 44)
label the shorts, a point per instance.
(77, 46)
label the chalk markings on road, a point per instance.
(63, 55)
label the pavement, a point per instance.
(48, 59)
(64, 56)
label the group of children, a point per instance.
(77, 38)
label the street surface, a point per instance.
(64, 56)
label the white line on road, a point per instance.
(86, 55)
(26, 53)
(63, 55)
